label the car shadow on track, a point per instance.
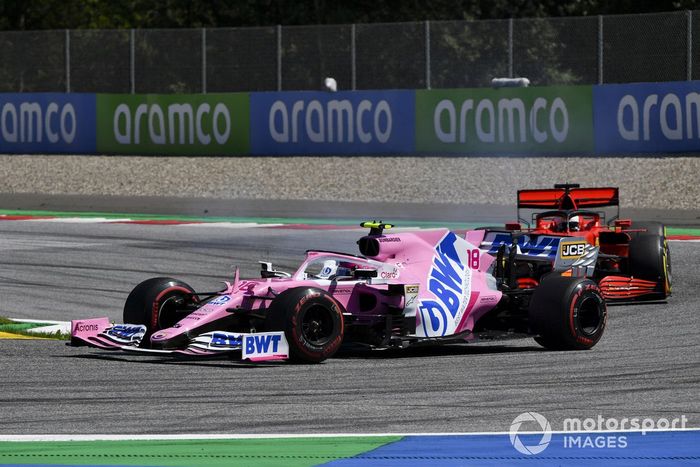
(433, 351)
(213, 362)
(346, 352)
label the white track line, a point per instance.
(230, 225)
(79, 220)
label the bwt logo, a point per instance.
(262, 344)
(336, 122)
(224, 339)
(545, 428)
(447, 283)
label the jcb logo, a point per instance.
(572, 250)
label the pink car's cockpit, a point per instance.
(324, 265)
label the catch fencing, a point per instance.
(418, 55)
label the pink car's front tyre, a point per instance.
(155, 303)
(312, 321)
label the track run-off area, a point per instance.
(105, 408)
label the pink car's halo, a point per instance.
(427, 286)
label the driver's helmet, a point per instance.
(333, 268)
(575, 223)
(559, 225)
(345, 269)
(329, 268)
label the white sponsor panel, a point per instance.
(264, 346)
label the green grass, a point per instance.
(22, 329)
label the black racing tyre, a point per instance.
(649, 259)
(312, 321)
(567, 313)
(155, 302)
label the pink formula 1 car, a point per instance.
(421, 287)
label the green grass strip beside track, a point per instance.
(23, 329)
(261, 452)
(681, 231)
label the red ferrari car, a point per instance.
(632, 261)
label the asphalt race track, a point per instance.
(647, 364)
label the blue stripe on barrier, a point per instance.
(658, 448)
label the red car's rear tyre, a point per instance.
(312, 321)
(155, 303)
(567, 313)
(649, 259)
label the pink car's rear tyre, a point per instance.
(567, 313)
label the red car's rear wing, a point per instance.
(571, 198)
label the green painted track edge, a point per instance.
(292, 452)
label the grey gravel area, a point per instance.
(649, 182)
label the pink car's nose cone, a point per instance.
(171, 337)
(159, 336)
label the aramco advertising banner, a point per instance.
(173, 124)
(535, 120)
(647, 117)
(309, 122)
(555, 120)
(47, 123)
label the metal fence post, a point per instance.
(132, 61)
(204, 60)
(600, 49)
(427, 54)
(67, 60)
(689, 58)
(510, 47)
(279, 57)
(353, 58)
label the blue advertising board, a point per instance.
(309, 122)
(51, 123)
(647, 117)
